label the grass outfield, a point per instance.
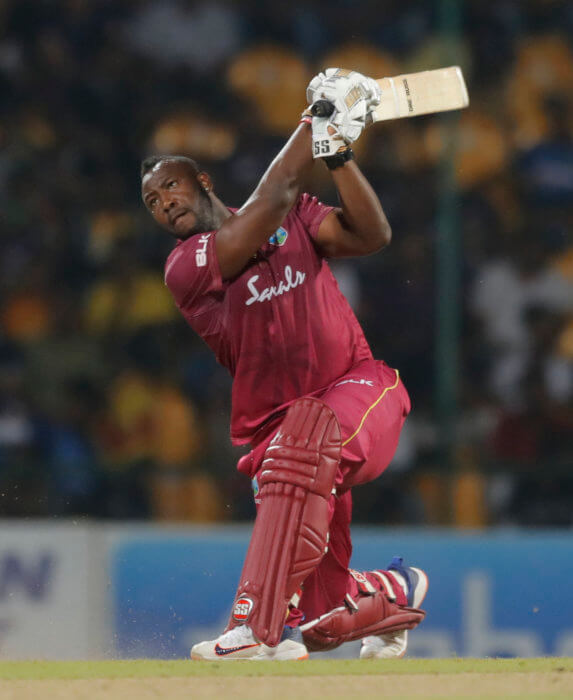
(548, 678)
(150, 668)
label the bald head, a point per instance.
(151, 163)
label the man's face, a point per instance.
(175, 198)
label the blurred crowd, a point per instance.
(110, 407)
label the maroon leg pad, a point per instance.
(290, 533)
(375, 614)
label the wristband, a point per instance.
(306, 116)
(338, 159)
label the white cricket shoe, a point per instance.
(394, 644)
(240, 643)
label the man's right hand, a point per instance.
(327, 140)
(353, 96)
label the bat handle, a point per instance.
(322, 108)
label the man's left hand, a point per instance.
(346, 90)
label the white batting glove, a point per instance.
(336, 84)
(341, 128)
(326, 138)
(352, 95)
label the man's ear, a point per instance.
(205, 181)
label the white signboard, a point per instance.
(44, 589)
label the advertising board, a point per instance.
(498, 594)
(44, 592)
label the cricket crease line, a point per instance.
(365, 416)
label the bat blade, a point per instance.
(413, 94)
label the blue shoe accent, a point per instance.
(292, 633)
(412, 578)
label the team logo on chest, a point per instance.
(279, 236)
(291, 280)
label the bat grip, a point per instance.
(322, 108)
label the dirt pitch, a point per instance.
(330, 679)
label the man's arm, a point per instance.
(242, 235)
(359, 226)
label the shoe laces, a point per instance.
(237, 636)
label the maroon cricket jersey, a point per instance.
(281, 327)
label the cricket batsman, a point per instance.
(319, 412)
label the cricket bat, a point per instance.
(412, 94)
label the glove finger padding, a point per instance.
(313, 86)
(374, 93)
(346, 96)
(349, 128)
(337, 84)
(320, 78)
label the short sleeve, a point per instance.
(192, 274)
(311, 211)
